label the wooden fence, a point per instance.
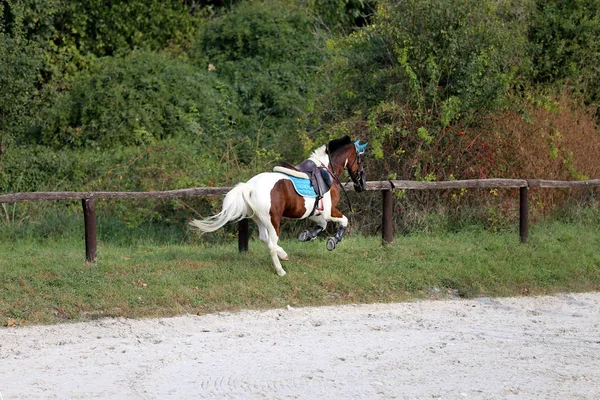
(88, 201)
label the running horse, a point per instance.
(268, 197)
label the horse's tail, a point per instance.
(237, 205)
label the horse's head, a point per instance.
(346, 154)
(356, 168)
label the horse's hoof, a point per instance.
(281, 273)
(305, 236)
(331, 243)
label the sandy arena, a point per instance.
(508, 348)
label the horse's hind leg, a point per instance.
(274, 250)
(282, 254)
(268, 234)
(263, 235)
(310, 234)
(262, 232)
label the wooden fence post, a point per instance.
(524, 214)
(387, 229)
(243, 235)
(89, 219)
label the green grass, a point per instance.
(47, 281)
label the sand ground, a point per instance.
(507, 348)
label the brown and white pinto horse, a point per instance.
(270, 196)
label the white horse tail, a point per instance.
(237, 205)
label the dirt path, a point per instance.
(512, 348)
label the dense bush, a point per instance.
(268, 53)
(452, 57)
(72, 33)
(20, 62)
(565, 48)
(420, 76)
(342, 15)
(137, 100)
(103, 29)
(168, 165)
(551, 137)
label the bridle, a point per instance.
(360, 170)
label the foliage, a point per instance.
(450, 57)
(95, 27)
(151, 95)
(20, 62)
(138, 100)
(268, 53)
(550, 137)
(168, 165)
(565, 47)
(37, 168)
(342, 15)
(416, 82)
(73, 33)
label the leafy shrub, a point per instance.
(342, 15)
(72, 33)
(565, 47)
(268, 53)
(20, 62)
(138, 100)
(416, 82)
(552, 137)
(103, 29)
(452, 57)
(169, 165)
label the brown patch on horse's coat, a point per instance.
(285, 202)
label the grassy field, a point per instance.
(46, 281)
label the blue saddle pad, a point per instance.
(303, 186)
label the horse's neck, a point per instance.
(338, 162)
(321, 158)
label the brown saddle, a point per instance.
(320, 178)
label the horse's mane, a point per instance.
(321, 155)
(338, 143)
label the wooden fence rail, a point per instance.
(88, 200)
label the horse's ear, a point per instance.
(360, 148)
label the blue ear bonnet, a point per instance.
(360, 148)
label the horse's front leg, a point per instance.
(342, 220)
(310, 234)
